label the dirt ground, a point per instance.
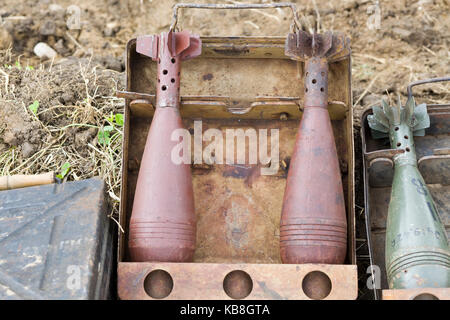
(76, 120)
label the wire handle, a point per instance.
(290, 5)
(416, 83)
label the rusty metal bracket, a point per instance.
(386, 154)
(135, 95)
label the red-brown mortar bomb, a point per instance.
(313, 225)
(162, 225)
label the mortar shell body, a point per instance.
(416, 248)
(417, 254)
(162, 225)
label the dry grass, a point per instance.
(61, 132)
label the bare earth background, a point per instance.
(76, 118)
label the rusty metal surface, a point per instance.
(226, 107)
(238, 210)
(436, 168)
(205, 281)
(236, 83)
(432, 154)
(417, 294)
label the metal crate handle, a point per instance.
(420, 82)
(292, 6)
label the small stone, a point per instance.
(5, 39)
(44, 51)
(108, 32)
(111, 29)
(28, 149)
(9, 138)
(84, 137)
(55, 7)
(349, 4)
(402, 33)
(109, 62)
(48, 28)
(59, 46)
(67, 97)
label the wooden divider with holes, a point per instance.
(237, 281)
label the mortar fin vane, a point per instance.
(385, 117)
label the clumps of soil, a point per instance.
(76, 99)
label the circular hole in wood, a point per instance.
(165, 71)
(314, 81)
(237, 284)
(172, 80)
(164, 88)
(396, 128)
(316, 285)
(158, 284)
(322, 89)
(306, 89)
(408, 149)
(399, 144)
(425, 296)
(173, 60)
(406, 137)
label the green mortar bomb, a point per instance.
(417, 250)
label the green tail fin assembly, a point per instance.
(417, 250)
